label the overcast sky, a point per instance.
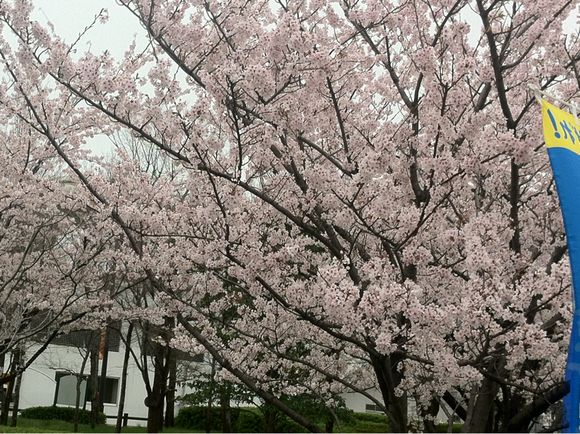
(70, 17)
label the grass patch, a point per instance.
(442, 427)
(364, 422)
(357, 423)
(37, 425)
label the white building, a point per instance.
(51, 380)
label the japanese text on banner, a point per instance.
(561, 129)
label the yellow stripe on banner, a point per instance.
(561, 129)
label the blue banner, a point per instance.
(562, 137)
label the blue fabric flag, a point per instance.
(562, 137)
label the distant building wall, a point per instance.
(359, 403)
(39, 384)
(39, 381)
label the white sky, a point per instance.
(71, 17)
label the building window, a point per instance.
(373, 408)
(66, 390)
(111, 390)
(88, 338)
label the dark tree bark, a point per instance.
(124, 379)
(11, 376)
(6, 403)
(522, 419)
(170, 395)
(79, 382)
(104, 356)
(16, 394)
(329, 425)
(2, 375)
(94, 384)
(209, 407)
(481, 411)
(226, 410)
(270, 418)
(16, 400)
(429, 414)
(388, 378)
(156, 399)
(455, 405)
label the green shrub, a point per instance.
(370, 417)
(285, 424)
(195, 418)
(249, 421)
(243, 420)
(368, 427)
(442, 427)
(66, 414)
(364, 422)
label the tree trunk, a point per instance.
(2, 361)
(94, 386)
(156, 398)
(155, 413)
(16, 400)
(5, 410)
(429, 414)
(226, 409)
(557, 417)
(79, 382)
(155, 406)
(19, 363)
(104, 356)
(124, 379)
(170, 395)
(208, 411)
(329, 425)
(524, 416)
(77, 403)
(6, 403)
(270, 418)
(480, 412)
(389, 377)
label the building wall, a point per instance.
(38, 385)
(362, 404)
(358, 403)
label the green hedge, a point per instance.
(370, 417)
(365, 422)
(60, 413)
(243, 420)
(442, 427)
(288, 425)
(249, 421)
(195, 417)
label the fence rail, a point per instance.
(126, 418)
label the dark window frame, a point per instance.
(59, 374)
(372, 408)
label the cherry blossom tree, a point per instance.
(48, 266)
(362, 187)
